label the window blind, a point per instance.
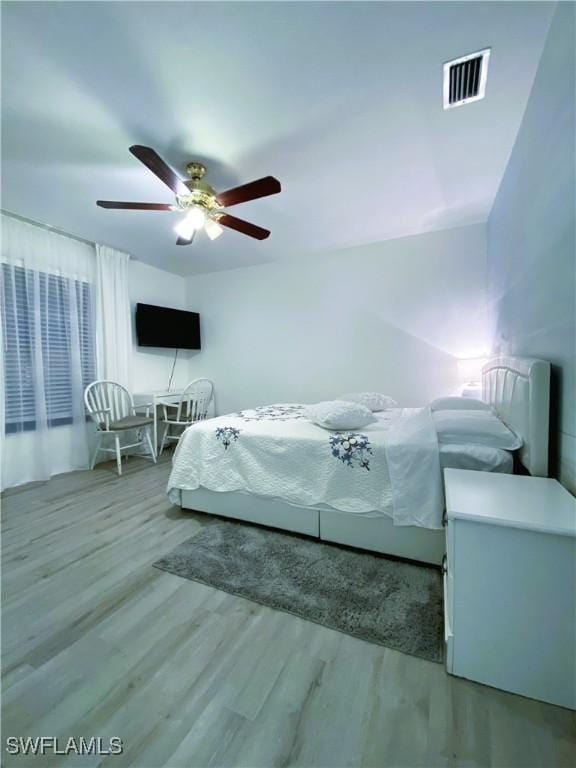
(41, 348)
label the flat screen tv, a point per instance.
(165, 327)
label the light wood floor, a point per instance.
(96, 642)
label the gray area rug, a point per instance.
(379, 599)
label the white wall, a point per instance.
(391, 316)
(532, 243)
(151, 367)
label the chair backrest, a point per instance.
(195, 399)
(102, 395)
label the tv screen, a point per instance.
(165, 327)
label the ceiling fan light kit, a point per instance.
(204, 207)
(212, 229)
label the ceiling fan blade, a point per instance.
(154, 162)
(243, 226)
(251, 191)
(135, 206)
(184, 241)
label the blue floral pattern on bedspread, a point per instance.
(351, 449)
(226, 435)
(272, 413)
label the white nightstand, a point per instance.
(509, 584)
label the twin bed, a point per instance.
(377, 488)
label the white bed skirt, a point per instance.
(377, 534)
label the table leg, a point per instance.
(156, 427)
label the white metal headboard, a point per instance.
(518, 388)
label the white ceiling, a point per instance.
(342, 102)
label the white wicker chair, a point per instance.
(112, 409)
(191, 407)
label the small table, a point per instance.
(156, 398)
(509, 583)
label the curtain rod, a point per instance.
(58, 231)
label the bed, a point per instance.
(378, 488)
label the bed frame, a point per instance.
(518, 390)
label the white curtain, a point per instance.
(48, 355)
(113, 325)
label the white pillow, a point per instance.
(456, 403)
(339, 414)
(373, 400)
(476, 428)
(482, 458)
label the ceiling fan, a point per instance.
(204, 207)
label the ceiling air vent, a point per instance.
(465, 79)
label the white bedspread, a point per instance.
(388, 468)
(414, 468)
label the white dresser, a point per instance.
(510, 584)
